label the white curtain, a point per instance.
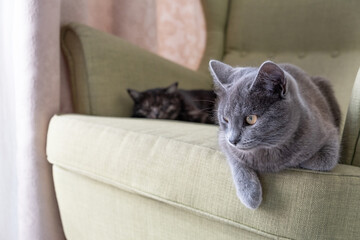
(30, 63)
(34, 87)
(8, 193)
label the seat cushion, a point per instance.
(180, 165)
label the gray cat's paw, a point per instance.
(250, 194)
(247, 184)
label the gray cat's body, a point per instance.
(296, 124)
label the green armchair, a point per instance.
(121, 178)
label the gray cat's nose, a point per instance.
(234, 136)
(234, 141)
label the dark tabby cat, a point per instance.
(173, 103)
(271, 118)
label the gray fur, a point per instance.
(297, 126)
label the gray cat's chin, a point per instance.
(253, 147)
(243, 147)
(246, 148)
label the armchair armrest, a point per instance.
(350, 139)
(179, 165)
(103, 66)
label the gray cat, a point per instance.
(271, 118)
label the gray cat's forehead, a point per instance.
(242, 79)
(242, 71)
(239, 99)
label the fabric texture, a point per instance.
(101, 73)
(131, 216)
(177, 168)
(351, 144)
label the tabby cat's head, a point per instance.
(254, 107)
(157, 103)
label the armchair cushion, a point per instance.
(172, 174)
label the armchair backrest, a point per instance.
(320, 36)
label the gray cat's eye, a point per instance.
(251, 119)
(226, 120)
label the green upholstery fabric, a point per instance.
(102, 67)
(351, 144)
(124, 215)
(216, 19)
(293, 26)
(123, 178)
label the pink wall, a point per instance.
(181, 31)
(174, 29)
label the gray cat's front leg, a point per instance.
(247, 183)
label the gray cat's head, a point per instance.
(254, 106)
(157, 103)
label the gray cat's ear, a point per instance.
(172, 88)
(135, 95)
(220, 73)
(271, 78)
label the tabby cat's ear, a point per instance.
(172, 88)
(135, 95)
(271, 79)
(220, 73)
